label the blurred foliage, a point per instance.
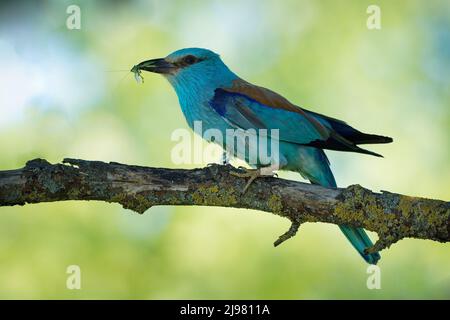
(68, 93)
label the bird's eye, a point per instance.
(190, 59)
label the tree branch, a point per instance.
(392, 216)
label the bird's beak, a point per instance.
(155, 65)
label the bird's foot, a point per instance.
(212, 164)
(252, 174)
(225, 158)
(224, 161)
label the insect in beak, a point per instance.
(155, 65)
(137, 74)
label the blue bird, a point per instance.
(208, 91)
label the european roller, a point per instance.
(208, 91)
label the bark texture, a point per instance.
(393, 216)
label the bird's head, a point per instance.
(189, 67)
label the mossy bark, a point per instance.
(392, 216)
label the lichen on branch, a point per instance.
(393, 216)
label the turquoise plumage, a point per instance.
(210, 92)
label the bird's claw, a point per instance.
(252, 174)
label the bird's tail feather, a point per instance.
(357, 236)
(360, 241)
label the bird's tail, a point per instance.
(357, 236)
(360, 241)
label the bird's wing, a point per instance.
(247, 106)
(348, 132)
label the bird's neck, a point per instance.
(195, 90)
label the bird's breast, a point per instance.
(195, 107)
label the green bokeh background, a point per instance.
(62, 96)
